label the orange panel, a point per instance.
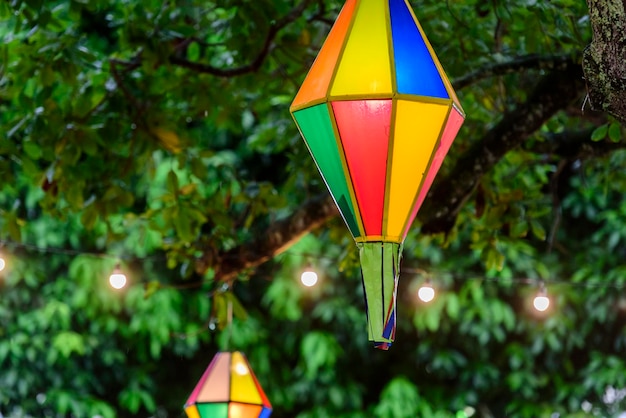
(239, 410)
(315, 85)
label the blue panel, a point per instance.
(416, 72)
(265, 413)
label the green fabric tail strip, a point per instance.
(380, 268)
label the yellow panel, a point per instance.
(243, 387)
(192, 412)
(417, 128)
(365, 66)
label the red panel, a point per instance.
(453, 124)
(364, 130)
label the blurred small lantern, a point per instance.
(228, 389)
(378, 115)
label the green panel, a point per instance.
(213, 410)
(317, 129)
(380, 262)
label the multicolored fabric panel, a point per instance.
(410, 47)
(416, 130)
(192, 411)
(380, 267)
(242, 410)
(213, 410)
(378, 115)
(265, 413)
(452, 126)
(243, 387)
(315, 85)
(214, 383)
(317, 128)
(364, 127)
(364, 68)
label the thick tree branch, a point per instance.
(570, 145)
(554, 92)
(535, 62)
(256, 63)
(277, 238)
(604, 61)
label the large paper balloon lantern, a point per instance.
(228, 389)
(378, 115)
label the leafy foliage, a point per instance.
(156, 135)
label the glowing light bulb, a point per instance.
(3, 263)
(541, 302)
(308, 278)
(117, 279)
(241, 369)
(426, 293)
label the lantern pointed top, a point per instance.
(375, 49)
(228, 389)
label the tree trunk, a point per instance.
(604, 60)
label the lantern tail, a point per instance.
(380, 270)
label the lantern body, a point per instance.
(378, 115)
(228, 389)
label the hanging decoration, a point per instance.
(228, 389)
(378, 115)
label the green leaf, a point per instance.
(615, 132)
(538, 230)
(600, 133)
(68, 342)
(452, 306)
(399, 399)
(33, 150)
(318, 350)
(150, 288)
(193, 51)
(172, 182)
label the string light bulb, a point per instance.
(541, 301)
(426, 292)
(3, 263)
(309, 277)
(117, 279)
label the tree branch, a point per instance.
(554, 92)
(277, 238)
(536, 62)
(570, 145)
(256, 63)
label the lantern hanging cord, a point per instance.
(229, 322)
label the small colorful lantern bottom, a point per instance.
(228, 389)
(380, 270)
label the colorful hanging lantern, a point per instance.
(228, 389)
(378, 115)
